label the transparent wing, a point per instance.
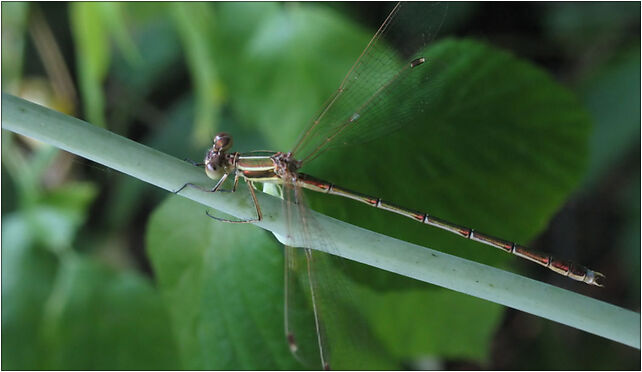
(301, 328)
(383, 86)
(323, 323)
(304, 330)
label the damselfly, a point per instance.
(353, 114)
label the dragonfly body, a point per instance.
(259, 168)
(279, 167)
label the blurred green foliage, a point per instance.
(501, 147)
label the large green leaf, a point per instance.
(223, 287)
(499, 148)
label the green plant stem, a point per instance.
(354, 243)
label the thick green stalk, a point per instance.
(354, 243)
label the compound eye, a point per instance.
(212, 171)
(222, 142)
